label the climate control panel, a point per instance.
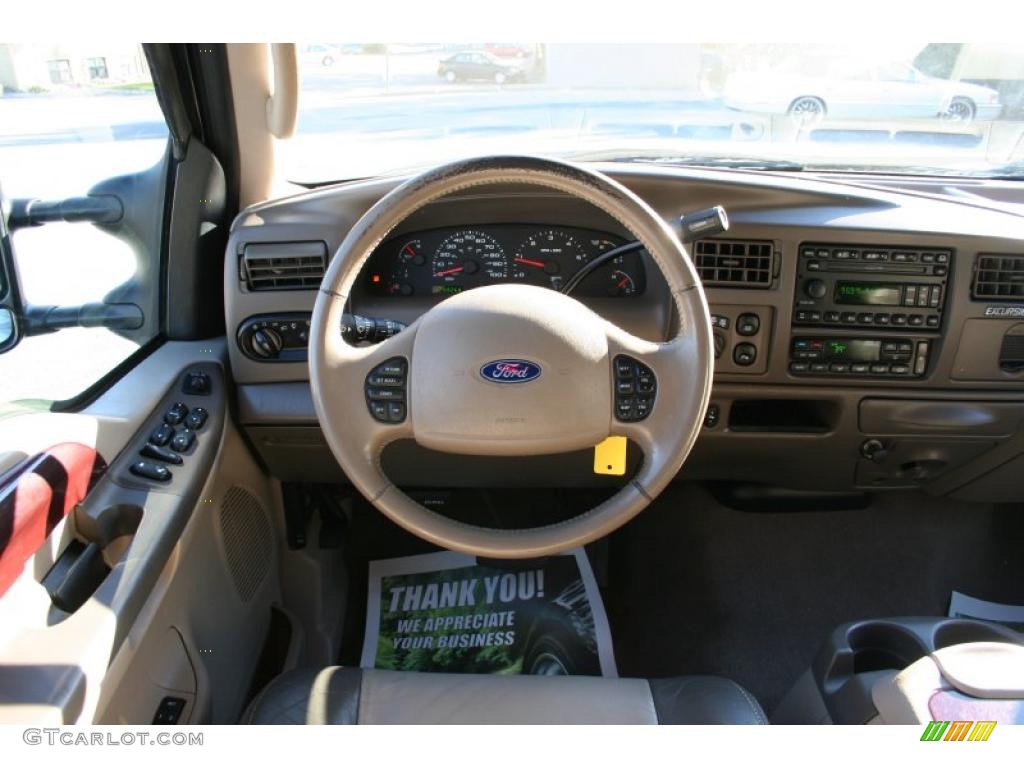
(859, 357)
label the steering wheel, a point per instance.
(511, 370)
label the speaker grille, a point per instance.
(248, 540)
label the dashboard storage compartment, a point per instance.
(799, 416)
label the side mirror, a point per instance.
(10, 297)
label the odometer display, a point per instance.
(465, 259)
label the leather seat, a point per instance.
(347, 696)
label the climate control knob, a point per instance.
(265, 343)
(816, 289)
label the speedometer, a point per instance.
(466, 259)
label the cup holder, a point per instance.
(879, 646)
(957, 631)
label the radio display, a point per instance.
(874, 294)
(853, 350)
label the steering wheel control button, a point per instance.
(635, 388)
(166, 455)
(196, 418)
(176, 414)
(183, 440)
(744, 354)
(748, 324)
(162, 435)
(385, 391)
(151, 471)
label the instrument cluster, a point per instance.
(442, 262)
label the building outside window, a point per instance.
(97, 67)
(60, 71)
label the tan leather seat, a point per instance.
(348, 696)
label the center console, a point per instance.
(869, 289)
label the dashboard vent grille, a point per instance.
(283, 266)
(736, 263)
(998, 277)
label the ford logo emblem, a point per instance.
(510, 371)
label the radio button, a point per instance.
(922, 295)
(808, 253)
(900, 370)
(819, 368)
(816, 289)
(814, 266)
(927, 258)
(933, 321)
(942, 258)
(917, 320)
(910, 296)
(933, 300)
(865, 318)
(881, 318)
(890, 346)
(878, 368)
(901, 257)
(899, 319)
(905, 346)
(839, 368)
(823, 253)
(941, 271)
(841, 253)
(798, 367)
(849, 317)
(831, 317)
(860, 368)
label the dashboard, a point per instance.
(869, 333)
(449, 260)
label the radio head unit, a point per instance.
(871, 287)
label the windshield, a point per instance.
(924, 108)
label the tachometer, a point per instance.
(547, 256)
(466, 259)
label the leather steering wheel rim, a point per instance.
(508, 321)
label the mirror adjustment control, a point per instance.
(151, 471)
(385, 390)
(159, 453)
(635, 388)
(748, 324)
(183, 440)
(197, 383)
(162, 435)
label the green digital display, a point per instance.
(853, 350)
(873, 294)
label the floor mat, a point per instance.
(697, 588)
(450, 612)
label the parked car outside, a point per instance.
(893, 90)
(479, 65)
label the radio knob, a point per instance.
(816, 289)
(265, 343)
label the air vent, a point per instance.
(998, 277)
(283, 266)
(736, 263)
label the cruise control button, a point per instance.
(382, 380)
(643, 407)
(396, 412)
(623, 367)
(624, 387)
(379, 410)
(384, 393)
(624, 409)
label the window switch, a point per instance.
(162, 435)
(169, 711)
(182, 441)
(151, 471)
(196, 418)
(160, 453)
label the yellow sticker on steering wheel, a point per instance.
(610, 456)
